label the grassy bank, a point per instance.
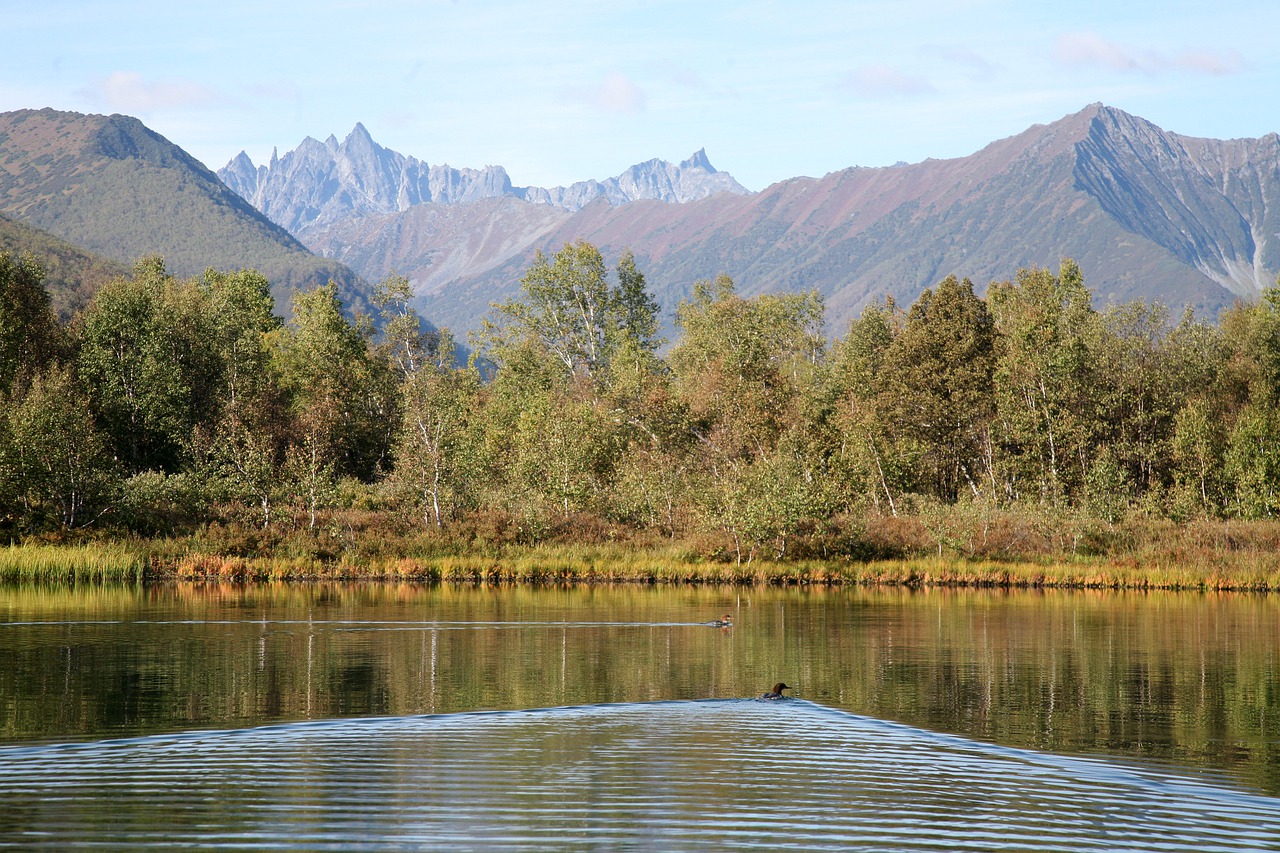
(955, 546)
(88, 561)
(137, 560)
(551, 564)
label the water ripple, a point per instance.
(667, 775)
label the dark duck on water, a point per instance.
(776, 692)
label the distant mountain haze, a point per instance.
(319, 183)
(1149, 215)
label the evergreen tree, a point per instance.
(936, 387)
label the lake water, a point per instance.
(400, 717)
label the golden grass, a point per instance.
(1142, 555)
(538, 564)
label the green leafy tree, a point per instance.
(1262, 345)
(146, 352)
(1043, 383)
(563, 460)
(1199, 443)
(745, 369)
(568, 310)
(249, 453)
(650, 428)
(743, 366)
(1252, 461)
(437, 445)
(30, 336)
(243, 317)
(437, 451)
(1197, 356)
(406, 342)
(577, 365)
(936, 383)
(1136, 395)
(62, 469)
(564, 307)
(342, 397)
(870, 462)
(634, 310)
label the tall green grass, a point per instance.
(92, 561)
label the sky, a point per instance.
(558, 91)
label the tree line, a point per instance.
(168, 402)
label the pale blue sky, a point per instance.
(559, 90)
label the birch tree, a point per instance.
(1042, 383)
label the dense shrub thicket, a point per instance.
(187, 405)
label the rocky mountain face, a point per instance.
(1148, 214)
(320, 183)
(658, 180)
(1211, 203)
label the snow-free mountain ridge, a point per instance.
(1149, 215)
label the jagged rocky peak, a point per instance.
(698, 160)
(241, 175)
(360, 133)
(1176, 191)
(360, 143)
(320, 182)
(690, 180)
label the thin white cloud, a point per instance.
(128, 92)
(1084, 49)
(679, 75)
(278, 90)
(964, 57)
(882, 81)
(617, 93)
(1207, 62)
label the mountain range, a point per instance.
(319, 183)
(1149, 215)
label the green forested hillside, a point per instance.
(114, 187)
(71, 275)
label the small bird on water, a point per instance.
(776, 692)
(726, 622)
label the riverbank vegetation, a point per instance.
(1022, 437)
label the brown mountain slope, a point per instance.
(1148, 214)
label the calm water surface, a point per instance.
(410, 717)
